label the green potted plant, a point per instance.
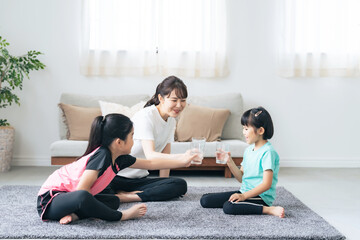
(13, 69)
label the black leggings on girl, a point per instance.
(221, 200)
(84, 205)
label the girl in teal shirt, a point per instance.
(258, 172)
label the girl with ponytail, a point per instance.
(154, 131)
(75, 190)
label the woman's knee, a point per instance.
(204, 201)
(181, 185)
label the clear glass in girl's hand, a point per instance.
(222, 150)
(197, 147)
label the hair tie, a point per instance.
(258, 113)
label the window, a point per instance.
(154, 37)
(319, 38)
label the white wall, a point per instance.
(315, 119)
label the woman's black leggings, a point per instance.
(84, 205)
(221, 200)
(153, 189)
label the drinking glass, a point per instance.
(221, 151)
(197, 146)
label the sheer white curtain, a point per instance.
(319, 38)
(154, 37)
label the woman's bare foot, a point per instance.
(69, 218)
(135, 211)
(129, 196)
(275, 211)
(134, 192)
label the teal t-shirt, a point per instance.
(254, 164)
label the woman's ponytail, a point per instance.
(95, 137)
(153, 101)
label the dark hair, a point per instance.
(105, 129)
(257, 118)
(166, 87)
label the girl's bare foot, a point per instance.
(275, 211)
(129, 196)
(69, 218)
(135, 211)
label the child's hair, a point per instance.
(105, 129)
(166, 87)
(257, 118)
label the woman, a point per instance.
(154, 131)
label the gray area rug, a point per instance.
(179, 219)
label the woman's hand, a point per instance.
(190, 157)
(237, 197)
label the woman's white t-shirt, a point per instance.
(149, 125)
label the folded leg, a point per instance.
(215, 200)
(84, 205)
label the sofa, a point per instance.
(67, 149)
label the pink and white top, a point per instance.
(67, 177)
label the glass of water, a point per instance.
(221, 152)
(197, 146)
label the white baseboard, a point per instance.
(284, 162)
(31, 161)
(320, 162)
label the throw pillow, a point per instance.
(78, 120)
(109, 107)
(197, 121)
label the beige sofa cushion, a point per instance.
(78, 120)
(231, 101)
(197, 121)
(83, 100)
